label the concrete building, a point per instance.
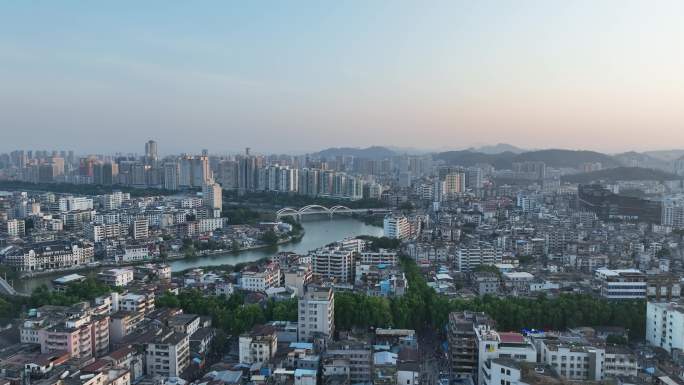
(316, 313)
(396, 227)
(463, 345)
(665, 325)
(622, 284)
(15, 228)
(353, 357)
(468, 258)
(454, 185)
(116, 277)
(262, 279)
(258, 346)
(140, 229)
(168, 355)
(213, 198)
(334, 263)
(493, 344)
(49, 256)
(575, 362)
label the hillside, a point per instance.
(567, 158)
(469, 158)
(498, 149)
(619, 174)
(666, 155)
(374, 152)
(643, 160)
(552, 158)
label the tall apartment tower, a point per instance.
(212, 197)
(194, 171)
(316, 313)
(151, 155)
(171, 175)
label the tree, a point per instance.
(270, 238)
(235, 246)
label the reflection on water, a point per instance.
(318, 232)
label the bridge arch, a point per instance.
(313, 208)
(286, 211)
(340, 208)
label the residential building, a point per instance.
(463, 345)
(168, 355)
(49, 256)
(316, 313)
(334, 263)
(116, 277)
(396, 227)
(262, 279)
(468, 258)
(258, 346)
(665, 325)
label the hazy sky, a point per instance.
(303, 75)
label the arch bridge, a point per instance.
(318, 209)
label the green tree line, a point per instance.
(88, 290)
(422, 309)
(232, 314)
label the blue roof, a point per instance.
(301, 345)
(304, 372)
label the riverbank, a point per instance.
(209, 253)
(171, 257)
(317, 233)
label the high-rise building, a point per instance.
(308, 181)
(140, 228)
(454, 184)
(247, 172)
(212, 198)
(228, 174)
(665, 325)
(171, 175)
(474, 178)
(151, 155)
(316, 313)
(334, 263)
(673, 213)
(530, 170)
(194, 171)
(110, 172)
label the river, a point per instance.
(317, 233)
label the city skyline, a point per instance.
(310, 76)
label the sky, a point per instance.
(297, 76)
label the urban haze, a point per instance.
(341, 193)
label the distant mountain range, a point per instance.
(645, 160)
(552, 158)
(498, 149)
(374, 152)
(502, 156)
(666, 155)
(620, 174)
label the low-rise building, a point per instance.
(116, 277)
(258, 346)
